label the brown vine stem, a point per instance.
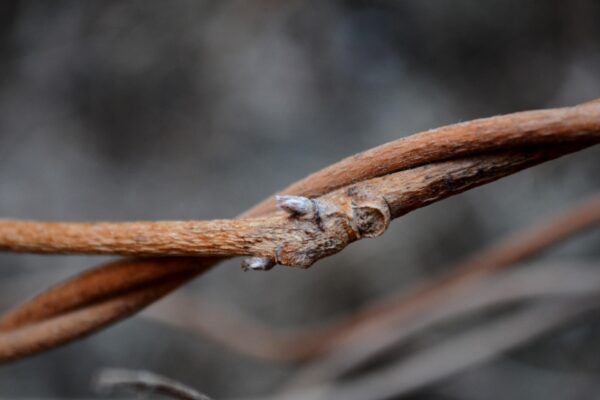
(243, 237)
(530, 135)
(120, 279)
(516, 130)
(341, 217)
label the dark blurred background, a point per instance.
(127, 110)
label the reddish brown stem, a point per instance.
(343, 216)
(579, 126)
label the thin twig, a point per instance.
(456, 354)
(427, 366)
(112, 379)
(544, 281)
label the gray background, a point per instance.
(126, 110)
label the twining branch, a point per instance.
(91, 301)
(518, 130)
(310, 229)
(373, 187)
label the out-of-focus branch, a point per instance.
(546, 281)
(454, 355)
(112, 379)
(576, 126)
(557, 294)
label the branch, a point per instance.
(457, 354)
(328, 225)
(577, 126)
(91, 301)
(541, 282)
(518, 130)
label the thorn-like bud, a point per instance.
(295, 205)
(257, 264)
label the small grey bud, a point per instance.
(257, 264)
(295, 205)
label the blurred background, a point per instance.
(190, 109)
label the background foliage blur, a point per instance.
(125, 110)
